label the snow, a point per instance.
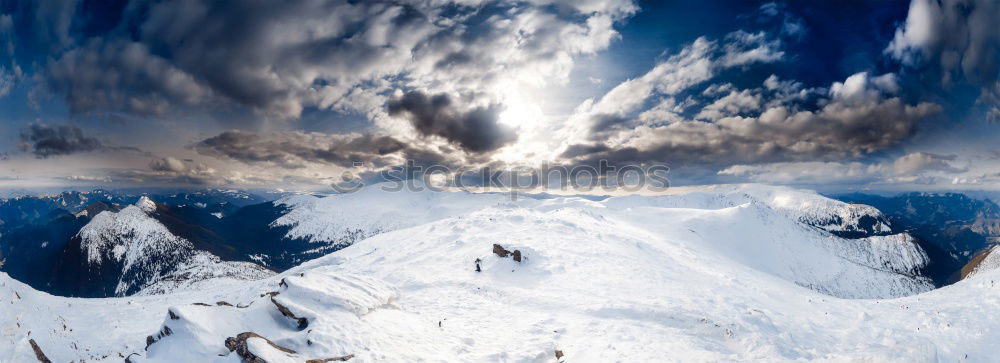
(202, 269)
(687, 277)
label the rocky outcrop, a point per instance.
(335, 359)
(238, 344)
(166, 331)
(300, 322)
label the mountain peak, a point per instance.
(146, 205)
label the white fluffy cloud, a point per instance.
(696, 63)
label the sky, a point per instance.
(847, 95)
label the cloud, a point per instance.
(473, 129)
(46, 141)
(782, 121)
(121, 75)
(957, 38)
(857, 117)
(742, 48)
(168, 164)
(770, 9)
(791, 25)
(281, 58)
(734, 103)
(295, 150)
(7, 81)
(89, 178)
(812, 172)
(200, 175)
(920, 162)
(169, 168)
(698, 62)
(915, 167)
(46, 25)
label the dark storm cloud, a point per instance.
(955, 39)
(292, 150)
(45, 141)
(475, 129)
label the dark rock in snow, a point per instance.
(238, 344)
(38, 352)
(503, 252)
(301, 323)
(163, 333)
(500, 251)
(335, 359)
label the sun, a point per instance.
(524, 115)
(519, 113)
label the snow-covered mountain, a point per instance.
(952, 228)
(749, 273)
(339, 220)
(140, 252)
(840, 218)
(64, 251)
